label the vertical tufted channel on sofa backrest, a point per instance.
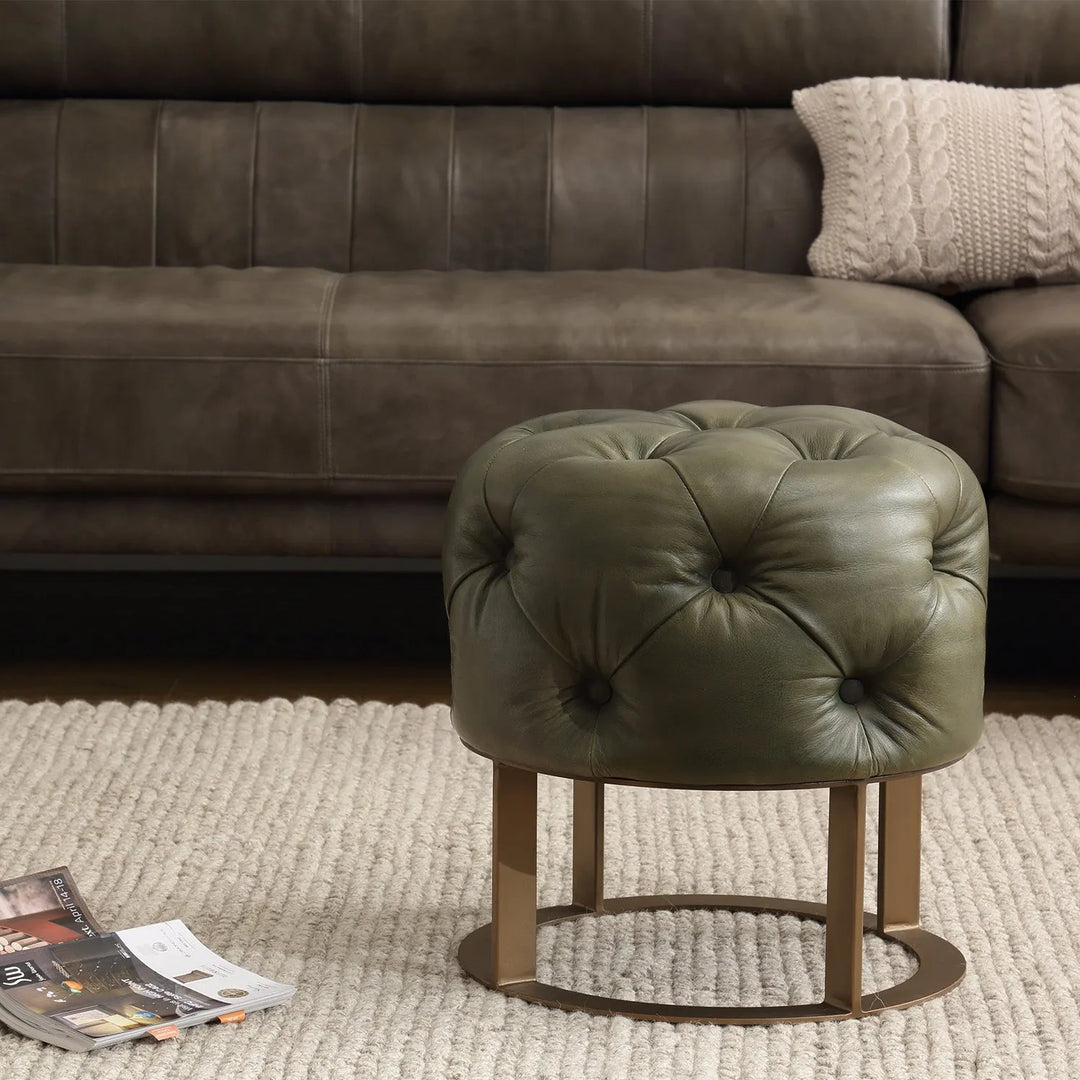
(428, 134)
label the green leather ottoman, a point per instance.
(717, 596)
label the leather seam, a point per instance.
(657, 628)
(451, 154)
(962, 577)
(465, 577)
(745, 185)
(1047, 481)
(921, 634)
(866, 739)
(996, 362)
(325, 416)
(1011, 366)
(922, 480)
(493, 364)
(521, 490)
(536, 630)
(352, 185)
(790, 441)
(550, 185)
(154, 182)
(484, 482)
(812, 638)
(697, 506)
(858, 442)
(254, 163)
(56, 183)
(765, 509)
(694, 425)
(959, 481)
(645, 188)
(652, 455)
(719, 363)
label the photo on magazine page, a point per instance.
(98, 988)
(43, 909)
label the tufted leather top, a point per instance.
(717, 595)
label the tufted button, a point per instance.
(852, 691)
(598, 691)
(723, 580)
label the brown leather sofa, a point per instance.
(242, 314)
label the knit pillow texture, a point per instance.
(937, 183)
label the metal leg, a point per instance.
(844, 903)
(589, 844)
(513, 887)
(502, 954)
(899, 844)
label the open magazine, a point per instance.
(66, 981)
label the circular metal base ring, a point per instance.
(941, 966)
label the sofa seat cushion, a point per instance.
(211, 380)
(1033, 337)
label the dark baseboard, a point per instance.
(1034, 623)
(250, 615)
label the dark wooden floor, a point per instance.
(181, 637)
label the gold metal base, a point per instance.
(502, 954)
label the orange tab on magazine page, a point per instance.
(166, 1031)
(232, 1017)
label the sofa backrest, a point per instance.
(493, 134)
(460, 52)
(1018, 42)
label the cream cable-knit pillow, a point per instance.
(930, 182)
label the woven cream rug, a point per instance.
(345, 847)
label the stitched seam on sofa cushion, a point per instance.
(1013, 366)
(495, 364)
(786, 365)
(326, 314)
(257, 115)
(357, 116)
(1048, 481)
(56, 174)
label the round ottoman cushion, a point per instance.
(717, 595)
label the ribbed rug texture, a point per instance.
(346, 848)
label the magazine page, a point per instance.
(95, 988)
(117, 986)
(42, 909)
(171, 950)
